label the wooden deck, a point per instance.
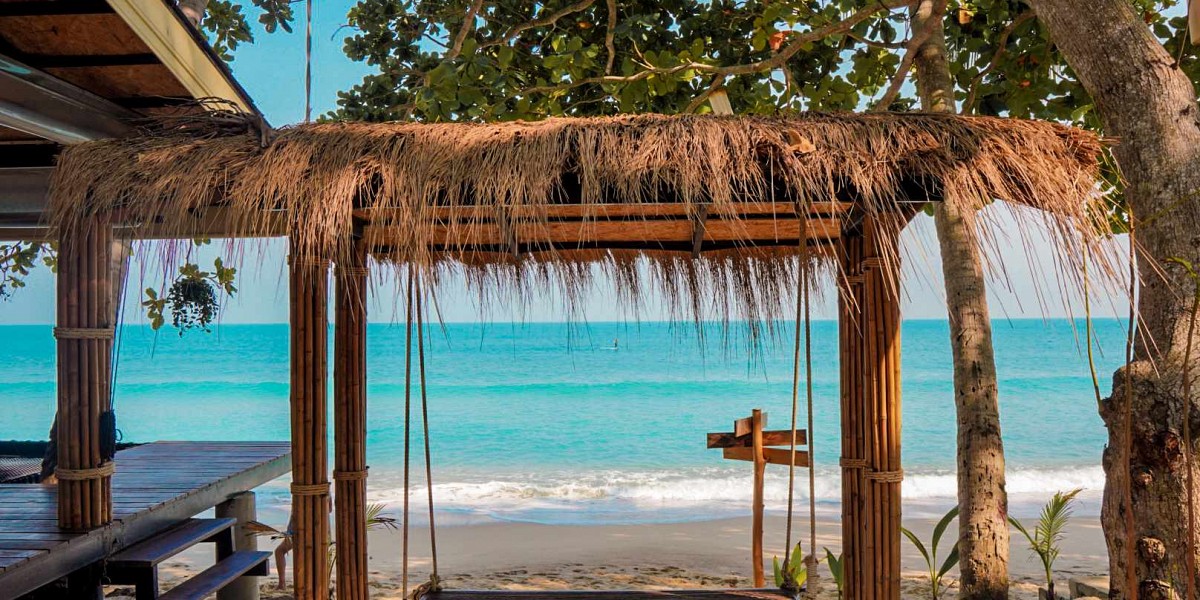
(156, 486)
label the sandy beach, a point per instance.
(703, 554)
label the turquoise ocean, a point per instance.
(548, 423)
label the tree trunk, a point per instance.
(982, 499)
(1150, 106)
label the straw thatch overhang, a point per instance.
(728, 213)
(479, 193)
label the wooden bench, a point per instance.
(138, 564)
(212, 579)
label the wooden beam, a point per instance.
(758, 420)
(89, 61)
(607, 211)
(38, 8)
(745, 426)
(774, 456)
(582, 233)
(778, 437)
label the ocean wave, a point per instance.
(700, 494)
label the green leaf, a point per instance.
(778, 572)
(941, 526)
(951, 560)
(796, 562)
(916, 542)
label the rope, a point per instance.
(800, 281)
(407, 428)
(100, 472)
(886, 476)
(311, 489)
(812, 457)
(308, 61)
(852, 463)
(434, 582)
(83, 333)
(349, 475)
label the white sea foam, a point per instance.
(697, 494)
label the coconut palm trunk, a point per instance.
(1149, 104)
(982, 499)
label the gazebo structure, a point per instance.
(716, 211)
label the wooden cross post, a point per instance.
(749, 442)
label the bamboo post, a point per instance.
(307, 282)
(869, 312)
(760, 470)
(84, 334)
(350, 423)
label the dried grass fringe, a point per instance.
(317, 175)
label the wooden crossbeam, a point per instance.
(611, 211)
(567, 233)
(779, 437)
(774, 456)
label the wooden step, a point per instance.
(150, 552)
(217, 576)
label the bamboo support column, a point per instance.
(350, 423)
(308, 286)
(84, 335)
(869, 311)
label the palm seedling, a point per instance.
(373, 517)
(1048, 533)
(936, 571)
(835, 569)
(792, 576)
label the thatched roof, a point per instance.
(501, 193)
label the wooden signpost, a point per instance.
(749, 442)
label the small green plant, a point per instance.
(792, 576)
(192, 298)
(936, 572)
(1049, 532)
(835, 569)
(373, 518)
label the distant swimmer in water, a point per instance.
(616, 344)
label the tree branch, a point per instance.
(1001, 43)
(609, 35)
(910, 53)
(768, 64)
(550, 19)
(468, 24)
(695, 104)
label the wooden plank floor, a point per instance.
(156, 486)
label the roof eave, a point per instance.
(183, 50)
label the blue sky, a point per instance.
(272, 71)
